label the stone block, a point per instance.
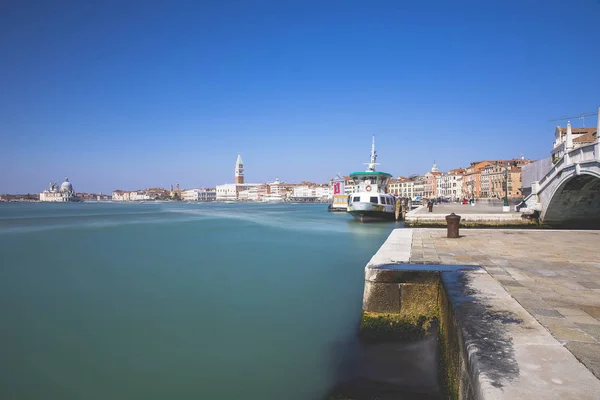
(381, 297)
(592, 330)
(546, 313)
(591, 310)
(418, 299)
(589, 285)
(570, 311)
(588, 354)
(564, 330)
(583, 319)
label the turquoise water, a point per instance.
(185, 301)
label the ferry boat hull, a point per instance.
(372, 212)
(366, 212)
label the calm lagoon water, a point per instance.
(185, 301)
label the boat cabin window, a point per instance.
(373, 200)
(356, 198)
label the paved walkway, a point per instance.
(554, 275)
(462, 209)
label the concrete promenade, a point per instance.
(460, 209)
(480, 215)
(554, 275)
(539, 288)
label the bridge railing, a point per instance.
(589, 152)
(584, 153)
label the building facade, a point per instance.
(402, 187)
(419, 187)
(456, 177)
(62, 194)
(199, 195)
(431, 182)
(349, 187)
(569, 138)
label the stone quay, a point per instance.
(524, 305)
(482, 214)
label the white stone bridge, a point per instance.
(565, 188)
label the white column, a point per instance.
(569, 141)
(568, 145)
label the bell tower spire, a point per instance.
(239, 170)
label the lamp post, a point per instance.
(506, 207)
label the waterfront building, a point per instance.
(506, 179)
(175, 192)
(569, 138)
(255, 192)
(199, 195)
(472, 179)
(486, 179)
(278, 191)
(324, 192)
(56, 194)
(133, 195)
(515, 182)
(455, 179)
(444, 186)
(349, 187)
(243, 195)
(138, 195)
(312, 192)
(393, 187)
(158, 193)
(418, 187)
(93, 196)
(450, 184)
(229, 191)
(431, 181)
(304, 191)
(403, 187)
(120, 195)
(439, 191)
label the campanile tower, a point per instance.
(239, 170)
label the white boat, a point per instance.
(371, 202)
(272, 198)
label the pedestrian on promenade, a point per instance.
(430, 205)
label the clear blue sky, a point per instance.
(136, 94)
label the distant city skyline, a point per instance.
(147, 95)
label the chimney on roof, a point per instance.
(569, 140)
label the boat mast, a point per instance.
(373, 162)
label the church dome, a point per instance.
(66, 186)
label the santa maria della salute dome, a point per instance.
(63, 194)
(66, 186)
